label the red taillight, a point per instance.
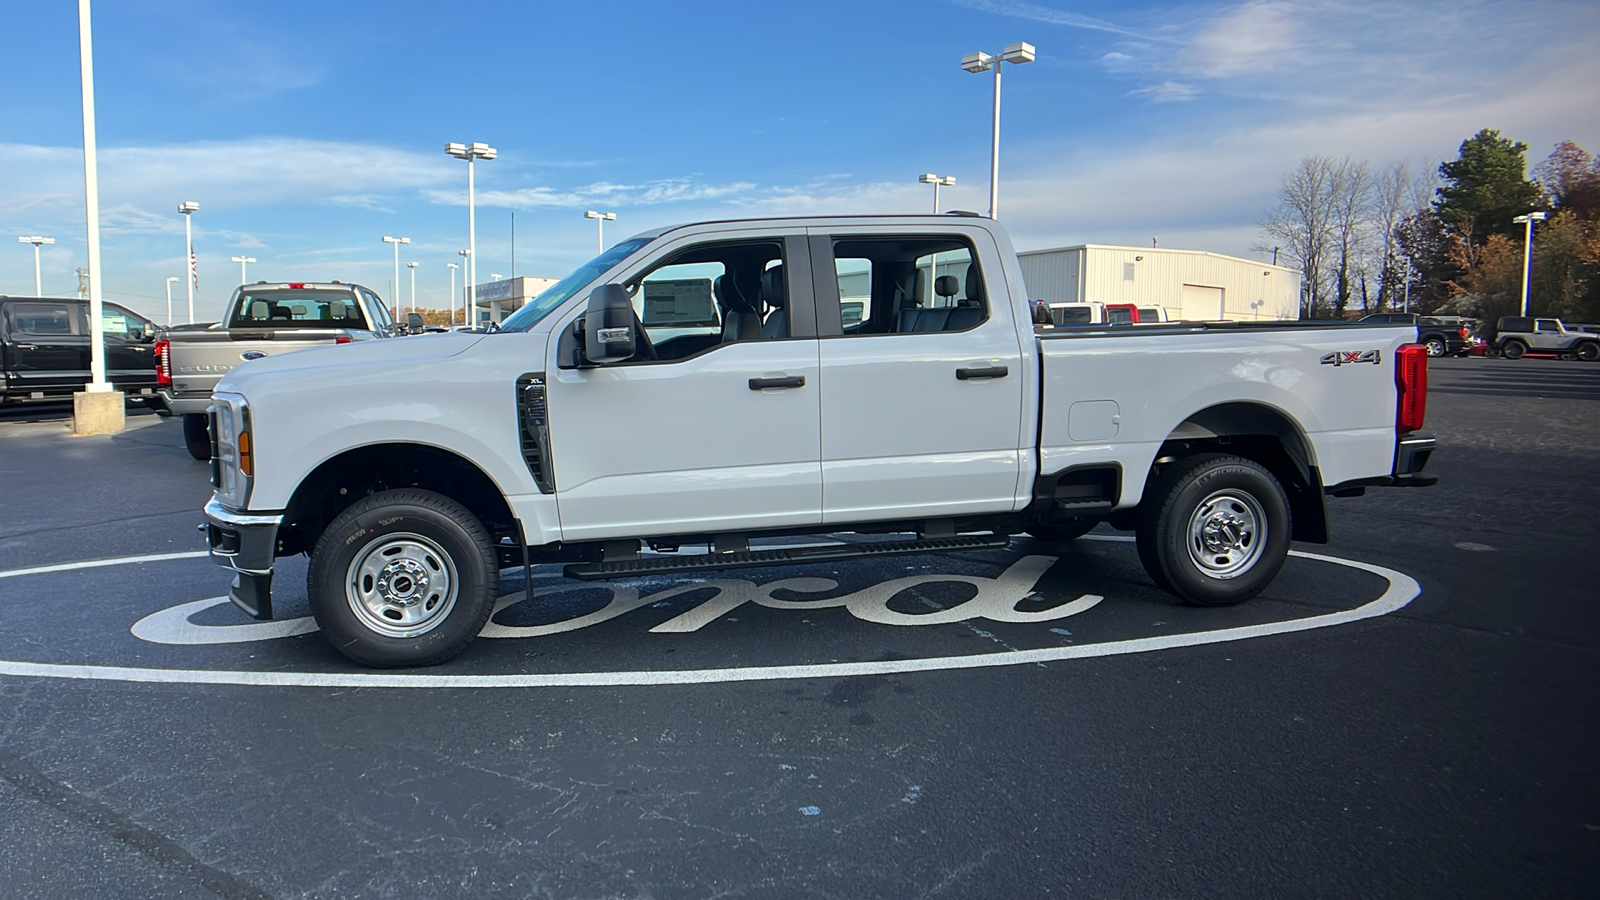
(343, 339)
(1465, 332)
(163, 363)
(1411, 384)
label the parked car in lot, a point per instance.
(1442, 337)
(1094, 312)
(262, 320)
(413, 471)
(1519, 336)
(44, 349)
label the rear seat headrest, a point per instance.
(773, 288)
(731, 298)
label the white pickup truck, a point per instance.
(262, 319)
(593, 425)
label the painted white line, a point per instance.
(1402, 590)
(97, 563)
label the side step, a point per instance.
(744, 559)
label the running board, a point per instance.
(744, 559)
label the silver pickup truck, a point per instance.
(262, 320)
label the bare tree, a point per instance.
(1302, 223)
(1391, 203)
(1349, 198)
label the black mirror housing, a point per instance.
(608, 325)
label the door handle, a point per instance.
(27, 346)
(989, 372)
(790, 381)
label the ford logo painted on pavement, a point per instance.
(251, 354)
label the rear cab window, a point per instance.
(308, 308)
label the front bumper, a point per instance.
(246, 543)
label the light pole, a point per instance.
(600, 220)
(413, 267)
(453, 267)
(1527, 251)
(470, 152)
(396, 283)
(91, 190)
(241, 260)
(170, 280)
(982, 62)
(467, 293)
(188, 208)
(937, 181)
(36, 240)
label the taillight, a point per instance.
(1411, 384)
(163, 363)
(343, 339)
(1465, 332)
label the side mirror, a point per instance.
(608, 325)
(414, 323)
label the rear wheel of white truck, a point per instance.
(1214, 529)
(403, 578)
(197, 436)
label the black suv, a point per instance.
(1442, 337)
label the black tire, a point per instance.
(1435, 346)
(1244, 499)
(1063, 532)
(403, 578)
(1492, 352)
(1514, 349)
(1588, 351)
(197, 436)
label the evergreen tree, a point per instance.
(1486, 187)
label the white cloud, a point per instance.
(1166, 92)
(1257, 36)
(1034, 12)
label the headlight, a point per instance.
(235, 459)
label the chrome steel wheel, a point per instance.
(401, 585)
(1227, 533)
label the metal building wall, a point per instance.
(1157, 276)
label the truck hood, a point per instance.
(397, 354)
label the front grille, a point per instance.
(534, 422)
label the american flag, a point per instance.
(194, 268)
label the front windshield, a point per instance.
(558, 293)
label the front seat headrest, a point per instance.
(974, 284)
(946, 286)
(773, 287)
(731, 298)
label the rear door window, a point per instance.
(46, 319)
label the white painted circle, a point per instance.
(1401, 590)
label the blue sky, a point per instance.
(306, 131)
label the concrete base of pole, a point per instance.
(98, 412)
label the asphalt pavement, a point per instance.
(1409, 711)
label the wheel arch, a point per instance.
(341, 480)
(1267, 435)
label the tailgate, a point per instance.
(200, 360)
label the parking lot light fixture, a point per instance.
(395, 285)
(937, 181)
(600, 220)
(1016, 54)
(188, 208)
(170, 280)
(242, 261)
(36, 241)
(453, 268)
(471, 152)
(1527, 251)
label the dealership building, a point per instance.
(498, 299)
(1189, 284)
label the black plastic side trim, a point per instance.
(533, 421)
(789, 555)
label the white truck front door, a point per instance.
(922, 390)
(722, 432)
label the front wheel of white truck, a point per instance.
(403, 578)
(1214, 529)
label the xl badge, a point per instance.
(1351, 357)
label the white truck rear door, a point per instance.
(922, 388)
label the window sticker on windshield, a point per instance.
(113, 323)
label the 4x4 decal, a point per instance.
(1350, 357)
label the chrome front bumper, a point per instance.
(247, 544)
